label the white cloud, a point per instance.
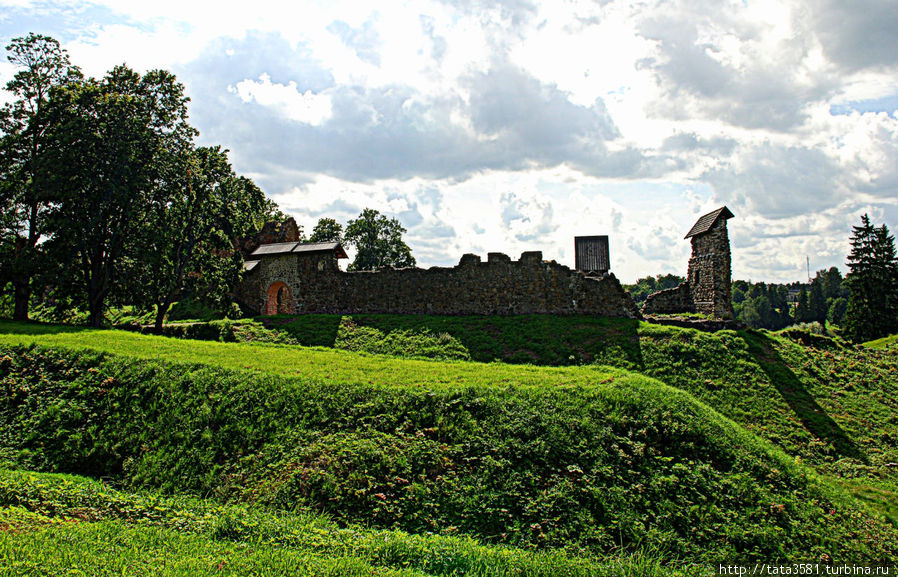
(7, 71)
(287, 100)
(571, 118)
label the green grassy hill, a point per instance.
(831, 404)
(882, 343)
(596, 460)
(62, 524)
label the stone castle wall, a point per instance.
(247, 292)
(499, 286)
(670, 301)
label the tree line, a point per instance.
(776, 306)
(106, 199)
(863, 304)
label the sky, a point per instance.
(518, 125)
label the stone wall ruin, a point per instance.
(707, 289)
(499, 286)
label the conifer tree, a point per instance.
(872, 310)
(803, 310)
(817, 302)
(886, 271)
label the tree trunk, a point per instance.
(95, 311)
(22, 299)
(160, 316)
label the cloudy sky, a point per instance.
(517, 125)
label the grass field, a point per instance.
(882, 343)
(607, 465)
(316, 363)
(63, 524)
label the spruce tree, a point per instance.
(802, 310)
(872, 310)
(886, 274)
(778, 297)
(817, 302)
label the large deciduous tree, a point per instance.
(327, 230)
(24, 125)
(186, 246)
(377, 241)
(831, 283)
(872, 310)
(114, 148)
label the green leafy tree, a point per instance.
(186, 245)
(757, 290)
(327, 230)
(112, 152)
(377, 241)
(755, 312)
(872, 310)
(836, 313)
(24, 123)
(651, 284)
(272, 213)
(831, 283)
(763, 305)
(738, 294)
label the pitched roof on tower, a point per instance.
(705, 223)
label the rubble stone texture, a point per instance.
(710, 273)
(707, 289)
(499, 286)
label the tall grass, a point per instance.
(59, 524)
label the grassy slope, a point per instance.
(882, 343)
(55, 524)
(831, 404)
(490, 450)
(312, 363)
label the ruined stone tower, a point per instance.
(709, 273)
(707, 288)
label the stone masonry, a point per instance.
(313, 282)
(670, 301)
(707, 288)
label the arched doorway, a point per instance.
(279, 300)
